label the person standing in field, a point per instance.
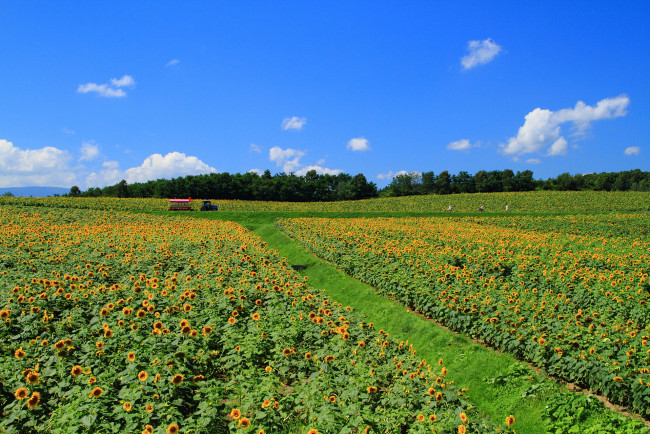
(506, 207)
(449, 209)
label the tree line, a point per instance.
(507, 180)
(311, 187)
(314, 187)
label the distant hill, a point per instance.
(34, 191)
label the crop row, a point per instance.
(118, 322)
(576, 305)
(535, 201)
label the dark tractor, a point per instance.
(207, 206)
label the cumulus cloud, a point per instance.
(172, 63)
(46, 166)
(114, 90)
(125, 81)
(293, 123)
(89, 151)
(460, 145)
(111, 164)
(542, 127)
(255, 148)
(533, 161)
(258, 171)
(288, 159)
(358, 144)
(390, 174)
(632, 150)
(480, 53)
(172, 165)
(318, 169)
(155, 166)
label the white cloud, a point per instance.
(460, 145)
(288, 158)
(480, 52)
(172, 63)
(67, 131)
(542, 129)
(358, 144)
(559, 147)
(258, 171)
(390, 174)
(293, 123)
(89, 151)
(46, 166)
(632, 150)
(172, 165)
(110, 164)
(155, 166)
(533, 161)
(125, 81)
(255, 148)
(107, 91)
(318, 169)
(101, 90)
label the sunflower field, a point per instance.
(568, 293)
(121, 322)
(534, 201)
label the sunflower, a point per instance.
(76, 371)
(510, 421)
(206, 330)
(244, 423)
(266, 403)
(127, 406)
(19, 353)
(463, 418)
(60, 345)
(256, 316)
(33, 400)
(172, 429)
(286, 352)
(32, 377)
(21, 393)
(131, 356)
(462, 429)
(371, 389)
(96, 392)
(177, 379)
(232, 320)
(235, 413)
(148, 408)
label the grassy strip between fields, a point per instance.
(499, 385)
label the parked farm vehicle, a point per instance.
(180, 204)
(207, 206)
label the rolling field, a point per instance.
(117, 322)
(567, 294)
(536, 201)
(113, 320)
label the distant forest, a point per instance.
(313, 187)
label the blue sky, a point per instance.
(96, 92)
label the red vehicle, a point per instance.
(180, 204)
